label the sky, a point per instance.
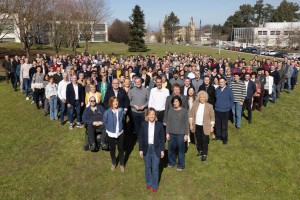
(208, 11)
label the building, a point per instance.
(185, 34)
(273, 34)
(43, 31)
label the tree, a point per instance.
(6, 23)
(159, 34)
(118, 31)
(137, 31)
(27, 16)
(90, 11)
(263, 12)
(287, 11)
(171, 27)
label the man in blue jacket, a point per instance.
(93, 118)
(223, 104)
(250, 90)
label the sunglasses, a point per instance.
(92, 101)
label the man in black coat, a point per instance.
(118, 92)
(250, 89)
(210, 89)
(74, 98)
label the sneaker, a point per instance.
(71, 127)
(27, 98)
(40, 103)
(32, 102)
(148, 188)
(179, 169)
(154, 190)
(122, 168)
(79, 126)
(113, 167)
(61, 123)
(203, 158)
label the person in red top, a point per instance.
(267, 65)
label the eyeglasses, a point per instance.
(92, 101)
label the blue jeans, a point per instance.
(288, 80)
(137, 118)
(53, 107)
(151, 167)
(274, 93)
(176, 142)
(70, 112)
(27, 85)
(62, 110)
(237, 114)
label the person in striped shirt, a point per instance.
(239, 93)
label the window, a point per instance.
(285, 33)
(7, 25)
(8, 39)
(272, 32)
(99, 37)
(259, 32)
(292, 33)
(265, 32)
(277, 32)
(99, 27)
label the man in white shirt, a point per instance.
(157, 99)
(62, 89)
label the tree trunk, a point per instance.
(86, 46)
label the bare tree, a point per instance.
(91, 12)
(118, 31)
(6, 23)
(27, 14)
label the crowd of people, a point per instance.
(176, 98)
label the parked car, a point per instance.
(262, 52)
(235, 48)
(293, 55)
(249, 50)
(270, 53)
(281, 54)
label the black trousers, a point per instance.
(91, 133)
(39, 94)
(160, 116)
(202, 140)
(247, 105)
(112, 146)
(222, 125)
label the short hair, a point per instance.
(51, 77)
(111, 100)
(176, 98)
(236, 74)
(158, 78)
(204, 94)
(149, 110)
(176, 85)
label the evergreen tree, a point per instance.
(136, 31)
(170, 27)
(287, 11)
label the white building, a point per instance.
(275, 34)
(11, 31)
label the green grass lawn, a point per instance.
(121, 49)
(41, 160)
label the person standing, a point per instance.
(197, 82)
(139, 97)
(202, 121)
(74, 98)
(158, 98)
(239, 92)
(268, 87)
(151, 147)
(113, 119)
(51, 95)
(118, 92)
(209, 88)
(177, 132)
(250, 91)
(25, 78)
(61, 92)
(38, 90)
(224, 103)
(13, 72)
(6, 64)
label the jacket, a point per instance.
(159, 138)
(224, 99)
(121, 96)
(208, 117)
(88, 116)
(251, 89)
(210, 91)
(110, 120)
(70, 94)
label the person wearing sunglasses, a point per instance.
(93, 118)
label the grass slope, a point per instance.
(41, 160)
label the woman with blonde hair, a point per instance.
(202, 122)
(151, 147)
(93, 93)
